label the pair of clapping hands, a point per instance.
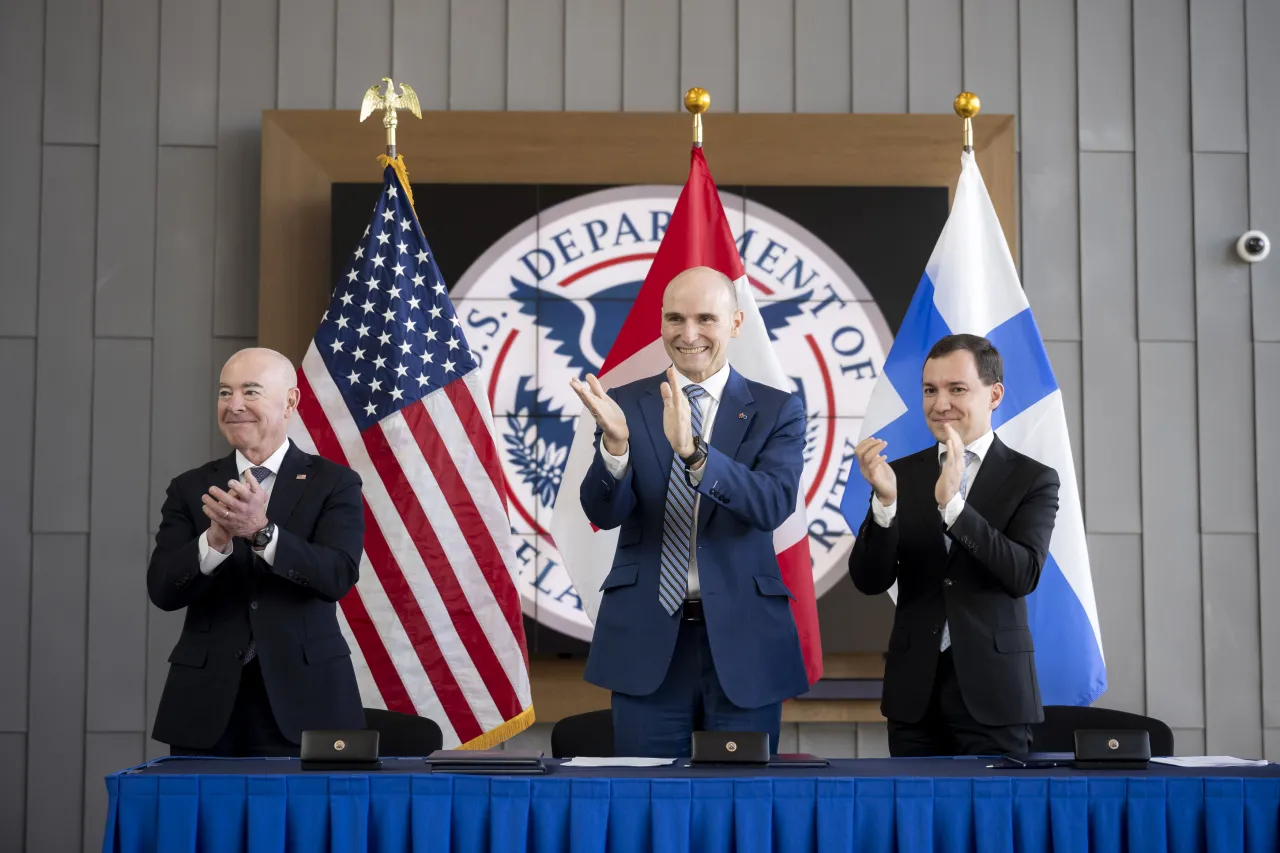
(676, 418)
(876, 470)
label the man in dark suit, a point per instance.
(963, 528)
(257, 546)
(698, 467)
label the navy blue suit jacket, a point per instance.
(749, 485)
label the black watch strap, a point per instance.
(699, 452)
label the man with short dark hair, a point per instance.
(963, 528)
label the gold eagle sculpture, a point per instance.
(390, 101)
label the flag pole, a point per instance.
(697, 101)
(967, 106)
(389, 102)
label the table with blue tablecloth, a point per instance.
(904, 805)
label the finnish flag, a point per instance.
(970, 285)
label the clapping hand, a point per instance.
(876, 470)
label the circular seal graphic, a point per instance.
(545, 303)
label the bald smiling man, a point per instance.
(257, 547)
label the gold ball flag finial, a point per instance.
(697, 100)
(967, 105)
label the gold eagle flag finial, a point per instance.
(389, 102)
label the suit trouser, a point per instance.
(947, 727)
(690, 698)
(252, 729)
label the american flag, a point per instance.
(390, 388)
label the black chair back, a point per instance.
(1057, 732)
(589, 735)
(403, 735)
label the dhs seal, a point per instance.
(546, 302)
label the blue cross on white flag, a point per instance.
(970, 285)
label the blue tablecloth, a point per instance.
(887, 805)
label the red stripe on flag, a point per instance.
(797, 573)
(480, 434)
(394, 585)
(462, 502)
(474, 639)
(381, 667)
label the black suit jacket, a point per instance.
(998, 547)
(289, 607)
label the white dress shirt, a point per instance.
(884, 515)
(708, 403)
(210, 558)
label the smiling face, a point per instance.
(256, 398)
(954, 394)
(699, 315)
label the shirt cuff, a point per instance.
(952, 510)
(209, 558)
(268, 554)
(616, 465)
(695, 477)
(883, 515)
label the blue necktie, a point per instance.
(260, 474)
(677, 525)
(969, 456)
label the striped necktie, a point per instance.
(677, 525)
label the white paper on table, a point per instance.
(618, 762)
(1209, 761)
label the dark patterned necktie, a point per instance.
(260, 474)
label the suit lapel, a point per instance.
(651, 408)
(925, 482)
(288, 487)
(995, 469)
(728, 428)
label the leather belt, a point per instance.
(692, 610)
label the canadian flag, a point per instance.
(697, 235)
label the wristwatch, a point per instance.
(699, 452)
(262, 538)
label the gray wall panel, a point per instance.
(710, 59)
(535, 34)
(18, 378)
(1116, 563)
(1173, 605)
(55, 734)
(831, 740)
(104, 753)
(118, 545)
(1271, 744)
(308, 36)
(935, 50)
(1233, 697)
(651, 56)
(183, 372)
(364, 50)
(593, 55)
(766, 33)
(127, 167)
(478, 65)
(1108, 298)
(991, 55)
(1263, 35)
(873, 740)
(72, 59)
(1218, 121)
(1105, 31)
(189, 72)
(420, 48)
(1162, 140)
(1188, 741)
(1050, 201)
(246, 87)
(879, 56)
(21, 99)
(1068, 367)
(13, 781)
(64, 353)
(824, 53)
(1267, 363)
(1225, 354)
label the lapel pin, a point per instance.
(742, 416)
(301, 477)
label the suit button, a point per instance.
(945, 582)
(253, 605)
(936, 629)
(240, 653)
